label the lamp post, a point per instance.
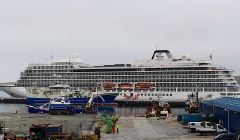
(228, 118)
(98, 87)
(213, 108)
(197, 97)
(97, 100)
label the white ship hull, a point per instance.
(24, 92)
(126, 96)
(175, 96)
(18, 92)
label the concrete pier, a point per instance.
(21, 122)
(136, 128)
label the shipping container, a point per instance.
(191, 118)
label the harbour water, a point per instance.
(119, 111)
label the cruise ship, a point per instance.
(161, 77)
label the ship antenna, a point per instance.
(156, 46)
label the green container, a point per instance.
(191, 118)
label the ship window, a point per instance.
(166, 94)
(145, 94)
(141, 94)
(163, 94)
(170, 94)
(148, 94)
(152, 94)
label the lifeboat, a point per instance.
(125, 86)
(108, 86)
(144, 86)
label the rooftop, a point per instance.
(229, 103)
(237, 78)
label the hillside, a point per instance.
(237, 78)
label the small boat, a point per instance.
(56, 106)
(41, 105)
(147, 86)
(125, 86)
(192, 103)
(158, 109)
(109, 86)
(106, 98)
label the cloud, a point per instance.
(106, 31)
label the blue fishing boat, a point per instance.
(103, 98)
(56, 106)
(42, 105)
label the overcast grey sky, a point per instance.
(116, 31)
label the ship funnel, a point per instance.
(161, 54)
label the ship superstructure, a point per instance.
(163, 76)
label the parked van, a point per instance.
(192, 126)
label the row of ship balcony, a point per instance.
(160, 80)
(131, 85)
(131, 77)
(72, 75)
(202, 89)
(125, 71)
(170, 67)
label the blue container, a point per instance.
(191, 118)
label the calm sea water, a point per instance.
(121, 111)
(13, 107)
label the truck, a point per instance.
(217, 128)
(192, 126)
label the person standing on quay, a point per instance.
(113, 128)
(117, 126)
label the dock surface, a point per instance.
(152, 129)
(21, 122)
